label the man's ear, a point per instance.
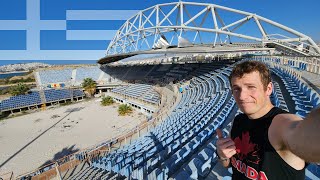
(269, 88)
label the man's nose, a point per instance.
(243, 94)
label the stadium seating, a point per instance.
(315, 170)
(21, 101)
(52, 95)
(55, 76)
(164, 149)
(74, 77)
(304, 97)
(87, 72)
(33, 98)
(151, 97)
(138, 91)
(279, 99)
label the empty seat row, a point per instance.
(33, 98)
(172, 142)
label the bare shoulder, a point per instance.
(285, 122)
(287, 117)
(282, 124)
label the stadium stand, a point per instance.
(151, 97)
(168, 146)
(116, 73)
(304, 97)
(277, 97)
(160, 71)
(87, 72)
(138, 91)
(313, 172)
(183, 145)
(74, 77)
(55, 76)
(20, 101)
(33, 98)
(52, 95)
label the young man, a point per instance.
(266, 142)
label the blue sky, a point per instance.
(48, 29)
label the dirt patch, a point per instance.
(30, 75)
(54, 116)
(37, 120)
(67, 126)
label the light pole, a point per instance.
(71, 90)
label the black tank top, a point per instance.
(256, 158)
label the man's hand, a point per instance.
(225, 146)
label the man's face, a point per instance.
(250, 95)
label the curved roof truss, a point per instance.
(174, 24)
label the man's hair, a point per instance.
(247, 67)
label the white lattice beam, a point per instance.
(136, 31)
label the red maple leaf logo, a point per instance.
(243, 146)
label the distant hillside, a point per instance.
(72, 66)
(22, 67)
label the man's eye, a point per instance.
(236, 89)
(252, 87)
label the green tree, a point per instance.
(124, 109)
(106, 101)
(7, 81)
(19, 89)
(89, 86)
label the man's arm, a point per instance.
(301, 137)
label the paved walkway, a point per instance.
(312, 80)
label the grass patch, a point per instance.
(107, 101)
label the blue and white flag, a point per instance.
(60, 29)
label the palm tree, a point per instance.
(19, 89)
(106, 101)
(89, 86)
(124, 109)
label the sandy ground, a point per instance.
(29, 141)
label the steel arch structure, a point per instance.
(174, 25)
